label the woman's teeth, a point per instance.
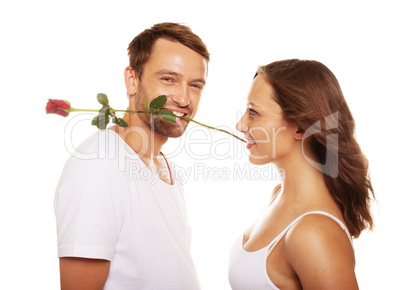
(250, 143)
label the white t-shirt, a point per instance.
(109, 205)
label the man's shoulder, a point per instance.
(103, 145)
(104, 150)
(99, 142)
(98, 150)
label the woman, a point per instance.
(298, 119)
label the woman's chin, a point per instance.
(259, 160)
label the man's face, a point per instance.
(179, 73)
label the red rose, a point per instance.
(58, 107)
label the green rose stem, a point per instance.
(112, 110)
(81, 110)
(213, 128)
(184, 118)
(63, 108)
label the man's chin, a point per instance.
(170, 133)
(168, 129)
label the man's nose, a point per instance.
(181, 97)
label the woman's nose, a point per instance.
(241, 125)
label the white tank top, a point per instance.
(248, 270)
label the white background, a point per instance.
(75, 49)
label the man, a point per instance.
(121, 217)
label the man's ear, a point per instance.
(299, 132)
(131, 80)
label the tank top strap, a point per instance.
(275, 241)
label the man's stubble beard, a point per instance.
(159, 126)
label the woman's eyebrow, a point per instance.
(253, 105)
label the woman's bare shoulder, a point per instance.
(320, 252)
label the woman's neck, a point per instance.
(301, 179)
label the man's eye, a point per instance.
(196, 86)
(167, 79)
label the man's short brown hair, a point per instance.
(140, 49)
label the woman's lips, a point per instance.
(250, 143)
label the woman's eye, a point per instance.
(252, 112)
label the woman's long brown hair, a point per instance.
(310, 97)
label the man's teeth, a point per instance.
(178, 114)
(249, 142)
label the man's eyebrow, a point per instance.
(199, 80)
(172, 73)
(168, 72)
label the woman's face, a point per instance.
(270, 138)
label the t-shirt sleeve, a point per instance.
(89, 208)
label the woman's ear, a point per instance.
(131, 81)
(299, 133)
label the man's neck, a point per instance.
(141, 138)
